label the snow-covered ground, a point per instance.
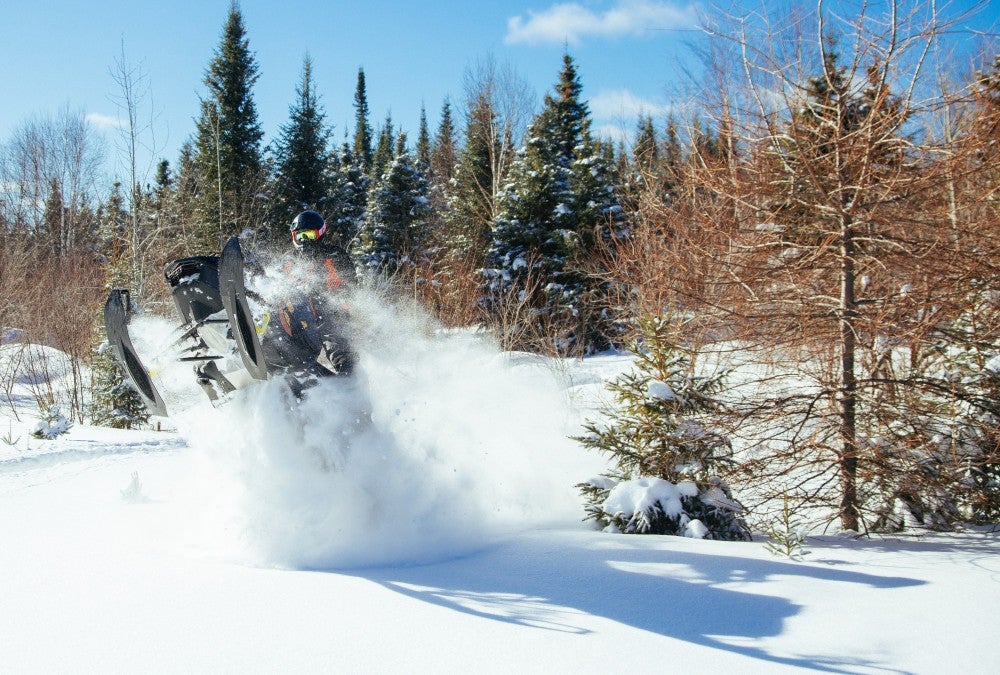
(424, 519)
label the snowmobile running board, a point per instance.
(116, 317)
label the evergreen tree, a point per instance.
(671, 162)
(440, 170)
(443, 155)
(302, 157)
(471, 205)
(345, 210)
(168, 214)
(395, 231)
(384, 150)
(558, 195)
(228, 143)
(646, 151)
(640, 169)
(423, 143)
(178, 215)
(660, 437)
(401, 142)
(163, 183)
(362, 147)
(48, 231)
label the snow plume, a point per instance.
(438, 446)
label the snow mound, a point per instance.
(32, 364)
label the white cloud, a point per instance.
(570, 22)
(616, 133)
(102, 121)
(623, 104)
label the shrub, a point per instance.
(667, 456)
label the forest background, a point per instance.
(822, 206)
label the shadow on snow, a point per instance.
(676, 594)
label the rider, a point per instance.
(308, 230)
(320, 320)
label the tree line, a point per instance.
(822, 219)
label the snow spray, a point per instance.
(438, 445)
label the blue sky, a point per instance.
(60, 52)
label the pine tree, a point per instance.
(660, 437)
(558, 195)
(163, 185)
(362, 147)
(302, 157)
(594, 177)
(228, 143)
(395, 230)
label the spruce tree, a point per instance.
(424, 143)
(47, 232)
(645, 151)
(559, 193)
(443, 154)
(346, 208)
(362, 147)
(471, 205)
(181, 207)
(440, 170)
(395, 231)
(302, 157)
(384, 149)
(671, 162)
(660, 435)
(228, 141)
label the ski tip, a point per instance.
(232, 247)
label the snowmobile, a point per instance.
(220, 336)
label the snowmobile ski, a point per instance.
(116, 317)
(234, 299)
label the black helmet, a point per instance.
(307, 227)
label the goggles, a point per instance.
(300, 236)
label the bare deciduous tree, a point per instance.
(48, 154)
(821, 230)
